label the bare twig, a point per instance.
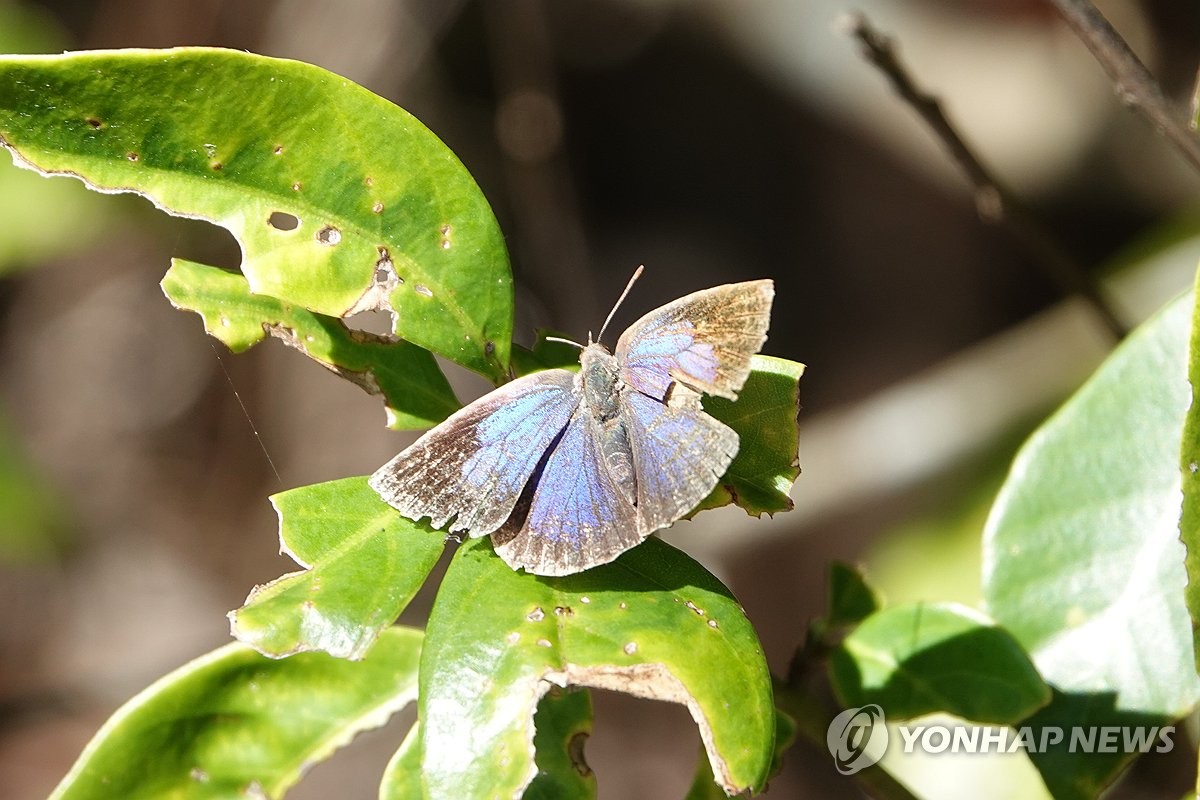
(993, 202)
(1135, 85)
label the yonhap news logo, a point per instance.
(849, 735)
(858, 738)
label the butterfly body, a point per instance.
(568, 470)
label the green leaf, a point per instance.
(1082, 559)
(236, 724)
(764, 416)
(545, 354)
(851, 598)
(406, 376)
(1189, 523)
(923, 658)
(34, 528)
(704, 788)
(402, 777)
(334, 194)
(363, 564)
(562, 725)
(653, 624)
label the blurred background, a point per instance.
(712, 141)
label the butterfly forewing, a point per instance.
(704, 340)
(679, 454)
(473, 467)
(578, 515)
(567, 472)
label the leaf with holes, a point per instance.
(653, 624)
(414, 389)
(761, 475)
(363, 564)
(1082, 558)
(341, 201)
(236, 724)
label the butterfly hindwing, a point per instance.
(580, 512)
(704, 340)
(473, 466)
(568, 471)
(679, 454)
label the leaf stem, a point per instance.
(993, 202)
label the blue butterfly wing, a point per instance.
(580, 513)
(704, 340)
(679, 454)
(470, 470)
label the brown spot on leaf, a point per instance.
(575, 753)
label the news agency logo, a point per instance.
(849, 735)
(858, 737)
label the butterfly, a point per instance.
(567, 470)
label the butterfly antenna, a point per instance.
(562, 340)
(637, 273)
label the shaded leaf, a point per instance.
(851, 598)
(1082, 559)
(562, 725)
(764, 416)
(545, 354)
(34, 528)
(335, 194)
(235, 724)
(406, 376)
(653, 624)
(924, 658)
(363, 564)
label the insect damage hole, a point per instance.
(329, 235)
(283, 221)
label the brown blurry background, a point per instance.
(712, 141)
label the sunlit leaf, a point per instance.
(1082, 558)
(653, 624)
(340, 200)
(764, 416)
(406, 376)
(234, 723)
(363, 564)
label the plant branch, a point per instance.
(993, 202)
(1135, 85)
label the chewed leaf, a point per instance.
(363, 564)
(653, 624)
(341, 201)
(235, 724)
(406, 376)
(764, 416)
